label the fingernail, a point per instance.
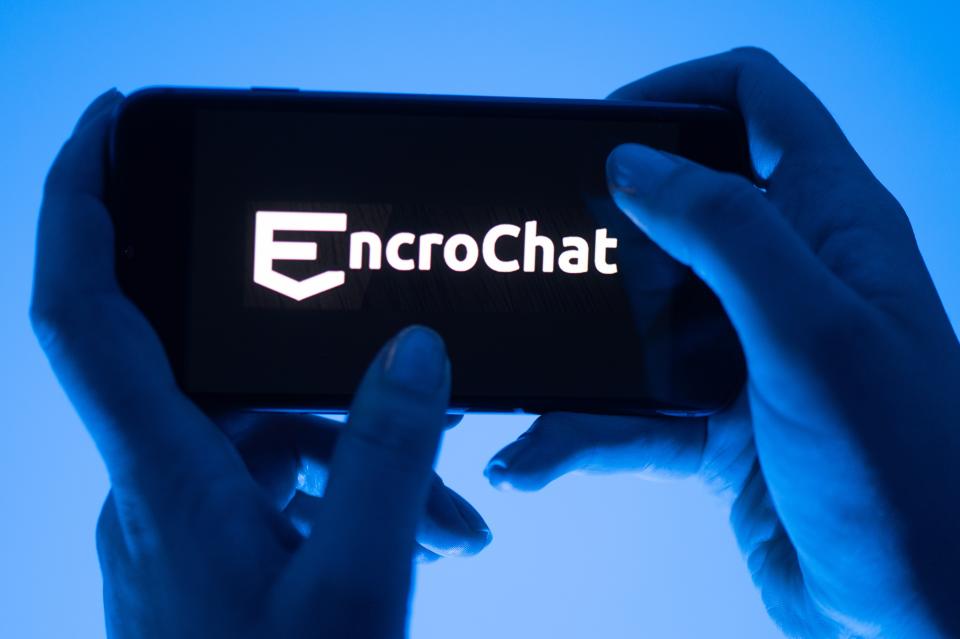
(498, 468)
(496, 473)
(416, 360)
(635, 169)
(496, 465)
(471, 518)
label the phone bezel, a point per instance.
(152, 257)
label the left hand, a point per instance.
(205, 532)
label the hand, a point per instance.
(205, 533)
(841, 458)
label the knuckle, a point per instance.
(709, 210)
(569, 439)
(684, 179)
(564, 431)
(397, 435)
(401, 439)
(713, 203)
(729, 204)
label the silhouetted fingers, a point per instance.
(289, 456)
(451, 526)
(283, 451)
(784, 119)
(778, 293)
(560, 443)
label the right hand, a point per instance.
(842, 455)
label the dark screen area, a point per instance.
(649, 337)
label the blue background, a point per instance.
(590, 556)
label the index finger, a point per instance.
(785, 121)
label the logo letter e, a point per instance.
(266, 251)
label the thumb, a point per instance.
(380, 476)
(561, 443)
(768, 279)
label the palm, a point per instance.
(732, 468)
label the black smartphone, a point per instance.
(276, 238)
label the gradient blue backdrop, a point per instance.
(590, 556)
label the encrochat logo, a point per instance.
(460, 252)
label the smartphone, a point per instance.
(276, 238)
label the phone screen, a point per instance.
(313, 235)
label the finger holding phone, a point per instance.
(840, 456)
(837, 456)
(205, 533)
